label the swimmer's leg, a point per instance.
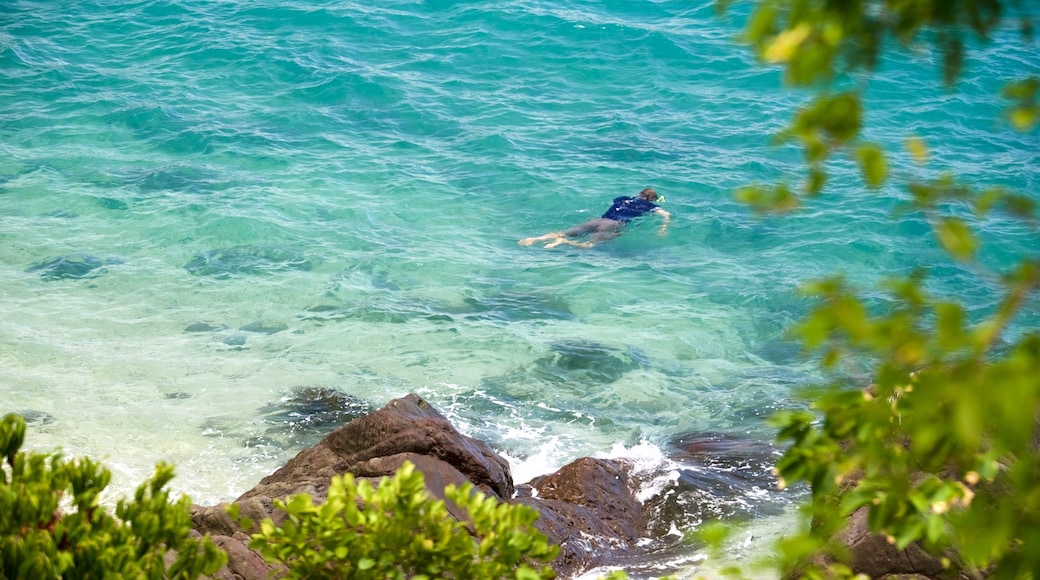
(569, 242)
(549, 236)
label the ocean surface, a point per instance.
(227, 226)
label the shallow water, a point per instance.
(254, 199)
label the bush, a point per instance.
(396, 530)
(943, 449)
(51, 525)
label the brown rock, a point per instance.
(243, 563)
(406, 425)
(873, 555)
(589, 509)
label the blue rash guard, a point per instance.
(626, 209)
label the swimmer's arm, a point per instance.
(664, 224)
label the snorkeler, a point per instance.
(610, 225)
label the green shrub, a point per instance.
(396, 530)
(942, 450)
(51, 525)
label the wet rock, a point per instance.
(371, 446)
(204, 327)
(261, 327)
(235, 340)
(378, 310)
(37, 418)
(249, 260)
(309, 413)
(113, 204)
(872, 555)
(177, 395)
(72, 266)
(716, 476)
(586, 362)
(183, 178)
(512, 307)
(406, 425)
(590, 510)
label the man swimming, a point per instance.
(610, 225)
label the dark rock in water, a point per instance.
(261, 327)
(377, 310)
(33, 417)
(583, 363)
(204, 327)
(720, 476)
(246, 260)
(590, 510)
(513, 307)
(177, 395)
(113, 204)
(183, 178)
(235, 340)
(309, 413)
(72, 266)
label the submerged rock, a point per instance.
(512, 307)
(262, 327)
(308, 413)
(717, 476)
(37, 418)
(72, 266)
(204, 327)
(246, 260)
(113, 204)
(586, 362)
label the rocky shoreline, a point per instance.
(590, 507)
(595, 509)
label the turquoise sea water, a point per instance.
(256, 200)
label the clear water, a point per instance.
(367, 171)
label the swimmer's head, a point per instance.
(650, 195)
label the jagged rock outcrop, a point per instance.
(589, 507)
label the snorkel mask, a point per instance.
(660, 199)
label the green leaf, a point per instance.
(816, 180)
(872, 164)
(918, 149)
(1023, 90)
(955, 236)
(839, 116)
(950, 325)
(1023, 118)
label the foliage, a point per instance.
(395, 530)
(51, 525)
(943, 448)
(817, 40)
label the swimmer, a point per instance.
(610, 225)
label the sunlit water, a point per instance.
(258, 198)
